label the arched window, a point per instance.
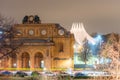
(25, 60)
(39, 62)
(61, 47)
(13, 60)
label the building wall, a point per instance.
(56, 53)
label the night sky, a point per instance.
(102, 16)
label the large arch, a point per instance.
(4, 62)
(25, 60)
(13, 60)
(39, 62)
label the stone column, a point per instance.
(19, 62)
(48, 62)
(6, 63)
(0, 63)
(10, 62)
(32, 65)
(48, 59)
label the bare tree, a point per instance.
(111, 51)
(7, 32)
(85, 53)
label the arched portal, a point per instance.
(4, 62)
(13, 60)
(39, 62)
(25, 60)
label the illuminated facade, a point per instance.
(44, 46)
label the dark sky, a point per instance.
(102, 16)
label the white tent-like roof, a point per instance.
(80, 33)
